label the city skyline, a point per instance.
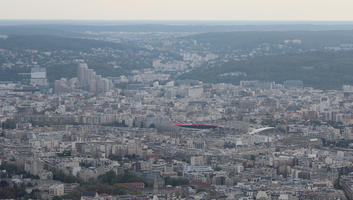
(176, 100)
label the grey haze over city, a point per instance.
(176, 100)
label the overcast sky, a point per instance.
(332, 10)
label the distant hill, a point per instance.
(251, 39)
(50, 43)
(324, 70)
(77, 29)
(65, 51)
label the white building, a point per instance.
(39, 76)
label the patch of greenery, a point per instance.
(115, 157)
(100, 189)
(13, 192)
(115, 124)
(12, 169)
(9, 124)
(201, 190)
(65, 153)
(176, 181)
(85, 164)
(51, 123)
(107, 183)
(218, 169)
(112, 178)
(337, 143)
(63, 177)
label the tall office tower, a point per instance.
(90, 81)
(82, 73)
(155, 185)
(100, 83)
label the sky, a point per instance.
(275, 10)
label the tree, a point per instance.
(218, 169)
(9, 124)
(111, 178)
(115, 157)
(66, 178)
(108, 178)
(176, 181)
(58, 198)
(4, 183)
(64, 153)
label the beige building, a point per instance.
(56, 190)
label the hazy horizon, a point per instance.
(171, 22)
(197, 10)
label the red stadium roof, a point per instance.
(195, 125)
